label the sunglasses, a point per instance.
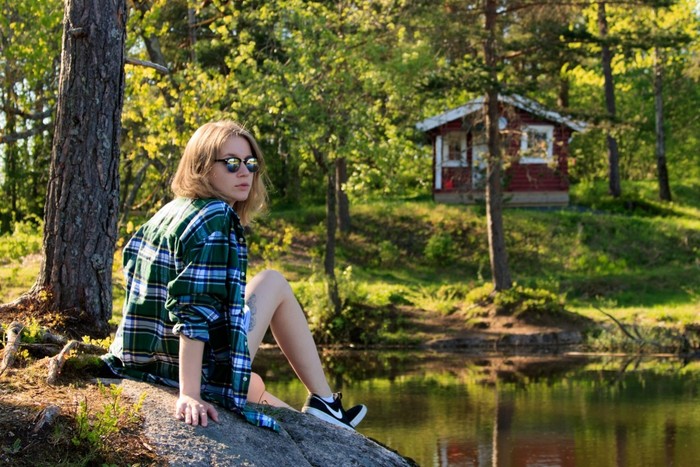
(233, 163)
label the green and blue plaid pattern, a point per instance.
(185, 274)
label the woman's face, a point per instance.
(234, 185)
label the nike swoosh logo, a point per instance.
(336, 413)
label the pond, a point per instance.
(450, 409)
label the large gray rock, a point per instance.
(303, 441)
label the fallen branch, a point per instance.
(56, 363)
(13, 340)
(639, 339)
(621, 326)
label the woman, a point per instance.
(190, 320)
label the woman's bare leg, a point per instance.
(272, 304)
(259, 395)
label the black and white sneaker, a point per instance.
(334, 412)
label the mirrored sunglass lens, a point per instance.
(252, 164)
(233, 164)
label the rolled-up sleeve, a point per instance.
(198, 294)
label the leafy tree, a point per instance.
(30, 50)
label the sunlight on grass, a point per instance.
(658, 314)
(635, 257)
(18, 277)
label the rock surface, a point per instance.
(303, 441)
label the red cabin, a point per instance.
(535, 144)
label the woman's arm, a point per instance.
(190, 405)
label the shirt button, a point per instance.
(245, 378)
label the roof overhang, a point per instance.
(515, 100)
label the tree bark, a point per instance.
(331, 225)
(80, 230)
(661, 169)
(329, 259)
(614, 185)
(341, 177)
(494, 189)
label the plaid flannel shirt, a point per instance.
(185, 274)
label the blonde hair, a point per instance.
(191, 179)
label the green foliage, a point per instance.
(104, 343)
(94, 429)
(481, 295)
(443, 298)
(388, 254)
(528, 303)
(32, 331)
(25, 239)
(440, 248)
(272, 240)
(358, 321)
(14, 448)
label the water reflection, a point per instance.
(445, 409)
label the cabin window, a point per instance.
(537, 144)
(454, 149)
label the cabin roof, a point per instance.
(515, 100)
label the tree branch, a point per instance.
(56, 363)
(30, 116)
(12, 137)
(147, 64)
(13, 340)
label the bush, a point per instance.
(440, 247)
(358, 322)
(388, 253)
(481, 295)
(527, 303)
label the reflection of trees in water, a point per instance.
(520, 410)
(348, 366)
(343, 366)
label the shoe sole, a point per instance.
(330, 419)
(358, 418)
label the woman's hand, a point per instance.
(195, 411)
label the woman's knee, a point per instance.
(271, 280)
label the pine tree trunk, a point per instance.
(614, 185)
(341, 177)
(494, 189)
(329, 259)
(661, 169)
(80, 230)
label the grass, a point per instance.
(633, 256)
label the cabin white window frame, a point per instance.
(449, 141)
(547, 131)
(442, 155)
